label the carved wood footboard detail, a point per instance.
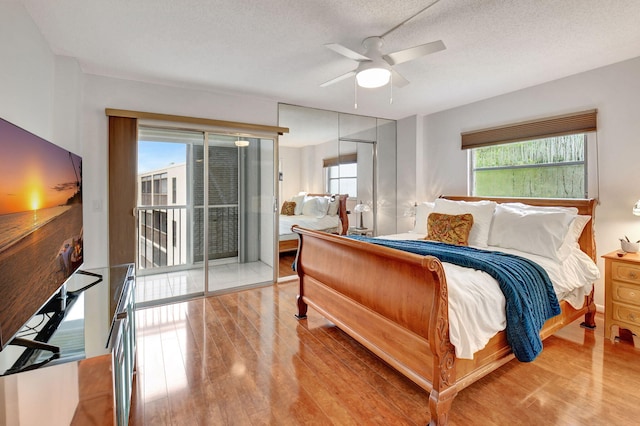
(444, 388)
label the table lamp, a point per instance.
(361, 208)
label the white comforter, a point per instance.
(326, 222)
(477, 306)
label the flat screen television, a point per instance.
(41, 241)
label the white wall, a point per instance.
(100, 93)
(406, 179)
(614, 90)
(291, 168)
(39, 91)
(67, 102)
(29, 78)
(27, 73)
(386, 170)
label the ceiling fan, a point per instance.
(375, 69)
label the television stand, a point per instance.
(88, 324)
(33, 344)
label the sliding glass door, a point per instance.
(205, 213)
(239, 199)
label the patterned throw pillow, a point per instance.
(288, 208)
(450, 229)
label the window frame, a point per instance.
(472, 169)
(582, 122)
(338, 162)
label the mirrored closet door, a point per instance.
(328, 153)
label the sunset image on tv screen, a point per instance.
(41, 234)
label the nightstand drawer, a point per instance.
(625, 292)
(625, 271)
(626, 313)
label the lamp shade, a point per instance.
(241, 142)
(361, 208)
(636, 208)
(373, 77)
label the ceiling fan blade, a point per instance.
(414, 52)
(337, 79)
(344, 51)
(398, 79)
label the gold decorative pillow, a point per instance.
(288, 208)
(450, 229)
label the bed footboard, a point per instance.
(370, 292)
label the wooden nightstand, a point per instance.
(622, 295)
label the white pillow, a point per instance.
(482, 212)
(571, 240)
(531, 231)
(332, 210)
(575, 228)
(299, 200)
(315, 206)
(422, 214)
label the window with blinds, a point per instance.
(541, 158)
(341, 175)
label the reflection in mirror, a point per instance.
(325, 154)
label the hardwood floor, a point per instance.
(286, 260)
(244, 359)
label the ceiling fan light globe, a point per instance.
(373, 77)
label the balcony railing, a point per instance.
(172, 236)
(162, 236)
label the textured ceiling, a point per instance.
(274, 49)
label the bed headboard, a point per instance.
(342, 209)
(585, 206)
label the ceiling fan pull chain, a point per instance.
(391, 89)
(355, 94)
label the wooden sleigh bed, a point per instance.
(404, 317)
(286, 243)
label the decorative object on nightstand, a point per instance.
(360, 209)
(629, 247)
(622, 295)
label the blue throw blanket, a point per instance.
(530, 299)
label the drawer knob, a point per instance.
(631, 316)
(632, 293)
(633, 275)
